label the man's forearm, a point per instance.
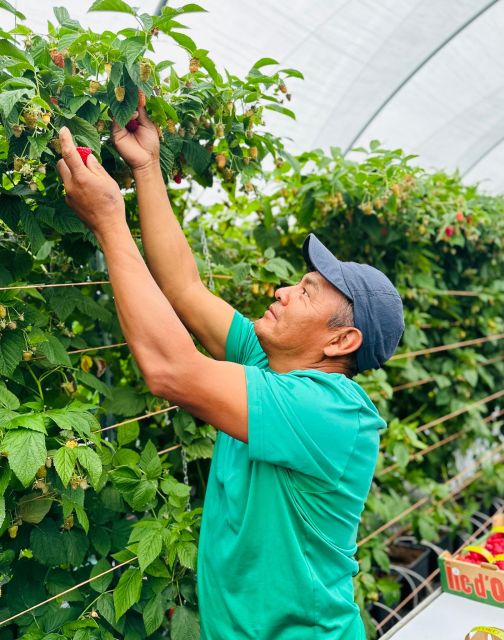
(157, 339)
(167, 251)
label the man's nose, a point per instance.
(282, 294)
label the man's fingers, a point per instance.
(95, 167)
(69, 152)
(142, 116)
(64, 171)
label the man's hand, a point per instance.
(90, 191)
(140, 148)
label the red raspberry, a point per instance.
(459, 216)
(469, 557)
(500, 564)
(178, 178)
(132, 125)
(449, 231)
(171, 611)
(54, 99)
(84, 153)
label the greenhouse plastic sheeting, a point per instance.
(422, 75)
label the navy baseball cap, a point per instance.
(377, 306)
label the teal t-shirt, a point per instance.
(278, 535)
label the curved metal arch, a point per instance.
(419, 66)
(159, 7)
(482, 156)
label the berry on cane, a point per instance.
(94, 86)
(57, 57)
(132, 125)
(84, 153)
(145, 71)
(194, 65)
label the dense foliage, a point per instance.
(81, 496)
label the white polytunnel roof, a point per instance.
(422, 75)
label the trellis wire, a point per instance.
(142, 417)
(419, 454)
(460, 410)
(440, 292)
(422, 501)
(446, 347)
(431, 577)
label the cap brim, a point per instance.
(318, 257)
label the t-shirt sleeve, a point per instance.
(242, 345)
(305, 424)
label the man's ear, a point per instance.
(343, 342)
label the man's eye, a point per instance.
(305, 291)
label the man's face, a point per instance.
(296, 322)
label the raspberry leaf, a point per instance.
(26, 452)
(127, 592)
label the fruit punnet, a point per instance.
(84, 153)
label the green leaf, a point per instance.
(149, 548)
(46, 542)
(196, 155)
(127, 433)
(125, 478)
(89, 380)
(282, 110)
(185, 624)
(54, 351)
(2, 510)
(12, 345)
(64, 462)
(191, 8)
(11, 51)
(7, 398)
(73, 419)
(381, 558)
(127, 592)
(33, 507)
(150, 462)
(84, 133)
(186, 553)
(31, 420)
(184, 41)
(122, 111)
(143, 494)
(101, 584)
(26, 453)
(90, 460)
(8, 7)
(264, 62)
(8, 100)
(401, 454)
(153, 614)
(125, 402)
(112, 5)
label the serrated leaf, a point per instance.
(149, 547)
(33, 421)
(11, 51)
(12, 345)
(33, 230)
(282, 110)
(196, 155)
(26, 453)
(54, 351)
(122, 111)
(46, 542)
(183, 40)
(186, 553)
(112, 5)
(264, 62)
(90, 460)
(89, 380)
(8, 7)
(8, 99)
(82, 518)
(125, 402)
(153, 614)
(127, 433)
(101, 584)
(64, 462)
(127, 592)
(7, 398)
(185, 624)
(33, 507)
(143, 494)
(84, 133)
(401, 454)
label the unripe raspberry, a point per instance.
(283, 87)
(55, 145)
(194, 65)
(71, 444)
(12, 325)
(57, 57)
(108, 69)
(220, 160)
(219, 130)
(145, 71)
(13, 531)
(68, 522)
(170, 126)
(94, 86)
(31, 118)
(17, 130)
(42, 471)
(27, 356)
(253, 153)
(119, 93)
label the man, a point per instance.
(298, 439)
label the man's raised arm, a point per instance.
(167, 252)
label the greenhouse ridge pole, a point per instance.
(419, 66)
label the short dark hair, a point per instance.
(344, 318)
